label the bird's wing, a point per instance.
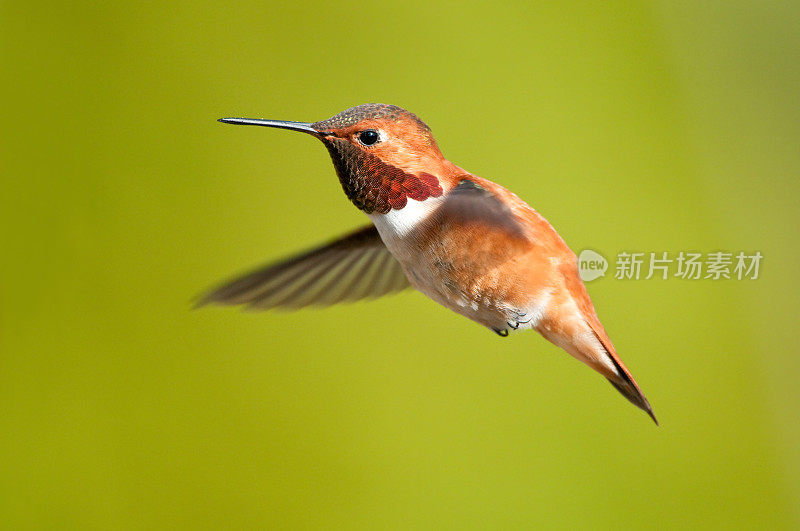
(470, 202)
(472, 227)
(357, 266)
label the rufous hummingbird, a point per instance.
(467, 243)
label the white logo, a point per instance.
(591, 265)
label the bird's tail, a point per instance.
(620, 377)
(626, 385)
(595, 350)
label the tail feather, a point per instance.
(631, 391)
(623, 380)
(602, 358)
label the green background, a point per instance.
(639, 126)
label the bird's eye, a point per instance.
(368, 137)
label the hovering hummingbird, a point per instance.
(467, 243)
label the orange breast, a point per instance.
(484, 271)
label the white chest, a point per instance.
(397, 224)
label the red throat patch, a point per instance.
(375, 186)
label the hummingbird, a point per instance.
(464, 241)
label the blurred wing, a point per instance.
(357, 266)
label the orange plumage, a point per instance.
(467, 243)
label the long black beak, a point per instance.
(303, 127)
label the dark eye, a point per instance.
(368, 137)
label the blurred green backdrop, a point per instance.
(638, 126)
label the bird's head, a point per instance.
(384, 155)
